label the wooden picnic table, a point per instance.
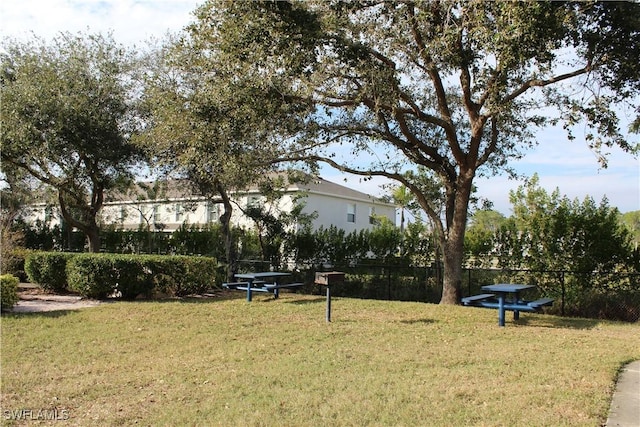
(506, 296)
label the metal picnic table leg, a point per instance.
(249, 285)
(516, 313)
(328, 303)
(501, 309)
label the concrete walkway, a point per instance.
(42, 303)
(625, 406)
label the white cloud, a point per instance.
(131, 21)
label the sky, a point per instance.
(568, 166)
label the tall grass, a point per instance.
(277, 362)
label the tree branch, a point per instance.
(438, 85)
(541, 83)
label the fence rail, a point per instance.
(604, 295)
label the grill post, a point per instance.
(329, 279)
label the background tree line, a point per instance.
(546, 232)
(581, 253)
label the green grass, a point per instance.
(277, 362)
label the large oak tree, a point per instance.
(455, 88)
(66, 120)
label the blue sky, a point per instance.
(569, 166)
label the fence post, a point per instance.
(563, 292)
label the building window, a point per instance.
(156, 214)
(372, 215)
(212, 212)
(253, 201)
(179, 212)
(351, 212)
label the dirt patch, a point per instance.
(34, 300)
(40, 303)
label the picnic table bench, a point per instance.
(499, 299)
(253, 282)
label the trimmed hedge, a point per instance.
(8, 291)
(12, 262)
(48, 269)
(182, 275)
(92, 275)
(128, 276)
(102, 275)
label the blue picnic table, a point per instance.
(506, 296)
(263, 281)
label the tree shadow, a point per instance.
(307, 301)
(51, 314)
(559, 322)
(418, 321)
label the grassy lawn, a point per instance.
(277, 362)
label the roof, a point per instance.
(176, 189)
(320, 185)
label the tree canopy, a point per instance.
(209, 124)
(456, 88)
(67, 119)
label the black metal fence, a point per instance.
(604, 295)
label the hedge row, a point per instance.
(48, 269)
(126, 276)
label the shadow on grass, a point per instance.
(417, 321)
(559, 322)
(307, 301)
(51, 314)
(208, 299)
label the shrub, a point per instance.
(621, 305)
(92, 275)
(200, 274)
(101, 275)
(8, 291)
(183, 275)
(165, 274)
(12, 262)
(48, 269)
(133, 277)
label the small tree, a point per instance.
(209, 124)
(273, 225)
(385, 240)
(480, 236)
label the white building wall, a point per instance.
(335, 211)
(344, 212)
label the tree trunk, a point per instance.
(453, 244)
(229, 246)
(89, 228)
(93, 238)
(452, 283)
